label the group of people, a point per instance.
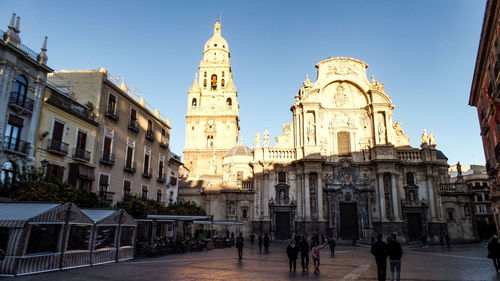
(494, 251)
(392, 249)
(300, 245)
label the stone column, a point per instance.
(307, 197)
(329, 213)
(432, 200)
(381, 196)
(395, 201)
(369, 206)
(265, 188)
(300, 214)
(320, 198)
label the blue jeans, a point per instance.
(395, 265)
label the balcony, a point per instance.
(247, 185)
(21, 103)
(164, 142)
(130, 167)
(149, 135)
(112, 112)
(147, 173)
(16, 145)
(81, 154)
(162, 178)
(57, 147)
(108, 160)
(133, 125)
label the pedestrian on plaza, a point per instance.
(424, 240)
(259, 241)
(354, 239)
(493, 251)
(333, 244)
(441, 239)
(395, 252)
(315, 255)
(379, 250)
(239, 245)
(292, 251)
(252, 239)
(304, 253)
(267, 241)
(447, 239)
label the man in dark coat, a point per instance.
(304, 253)
(332, 244)
(267, 242)
(395, 252)
(252, 238)
(379, 250)
(292, 251)
(260, 241)
(239, 245)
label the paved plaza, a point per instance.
(461, 262)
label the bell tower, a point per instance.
(212, 123)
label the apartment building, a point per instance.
(131, 152)
(23, 73)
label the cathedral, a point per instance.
(341, 167)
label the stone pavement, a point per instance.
(461, 262)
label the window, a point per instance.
(133, 123)
(12, 133)
(194, 102)
(129, 162)
(144, 193)
(204, 83)
(173, 179)
(54, 171)
(105, 237)
(149, 132)
(147, 160)
(108, 144)
(213, 82)
(79, 237)
(43, 238)
(205, 74)
(222, 73)
(20, 90)
(127, 186)
(210, 141)
(158, 195)
(103, 185)
(56, 142)
(410, 180)
(344, 143)
(222, 82)
(239, 176)
(111, 104)
(81, 140)
(164, 138)
(229, 102)
(281, 177)
(486, 197)
(7, 176)
(451, 214)
(161, 164)
(244, 213)
(479, 198)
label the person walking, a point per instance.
(315, 255)
(493, 252)
(304, 253)
(395, 252)
(379, 250)
(252, 239)
(292, 251)
(259, 241)
(332, 244)
(239, 245)
(267, 241)
(447, 239)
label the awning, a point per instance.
(220, 222)
(179, 218)
(151, 220)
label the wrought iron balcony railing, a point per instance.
(112, 112)
(147, 173)
(164, 142)
(81, 154)
(162, 178)
(129, 167)
(57, 147)
(16, 145)
(149, 135)
(133, 125)
(108, 160)
(22, 102)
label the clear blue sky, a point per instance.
(424, 52)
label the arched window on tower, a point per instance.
(204, 83)
(222, 83)
(194, 103)
(229, 102)
(205, 74)
(223, 74)
(210, 141)
(213, 82)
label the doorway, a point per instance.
(282, 231)
(349, 228)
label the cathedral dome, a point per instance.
(240, 149)
(217, 42)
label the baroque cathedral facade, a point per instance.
(341, 167)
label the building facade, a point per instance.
(23, 73)
(341, 166)
(132, 144)
(65, 124)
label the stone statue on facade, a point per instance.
(256, 144)
(282, 197)
(266, 138)
(431, 139)
(381, 132)
(310, 132)
(459, 169)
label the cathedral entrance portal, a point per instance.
(348, 221)
(282, 231)
(414, 226)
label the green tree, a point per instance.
(33, 185)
